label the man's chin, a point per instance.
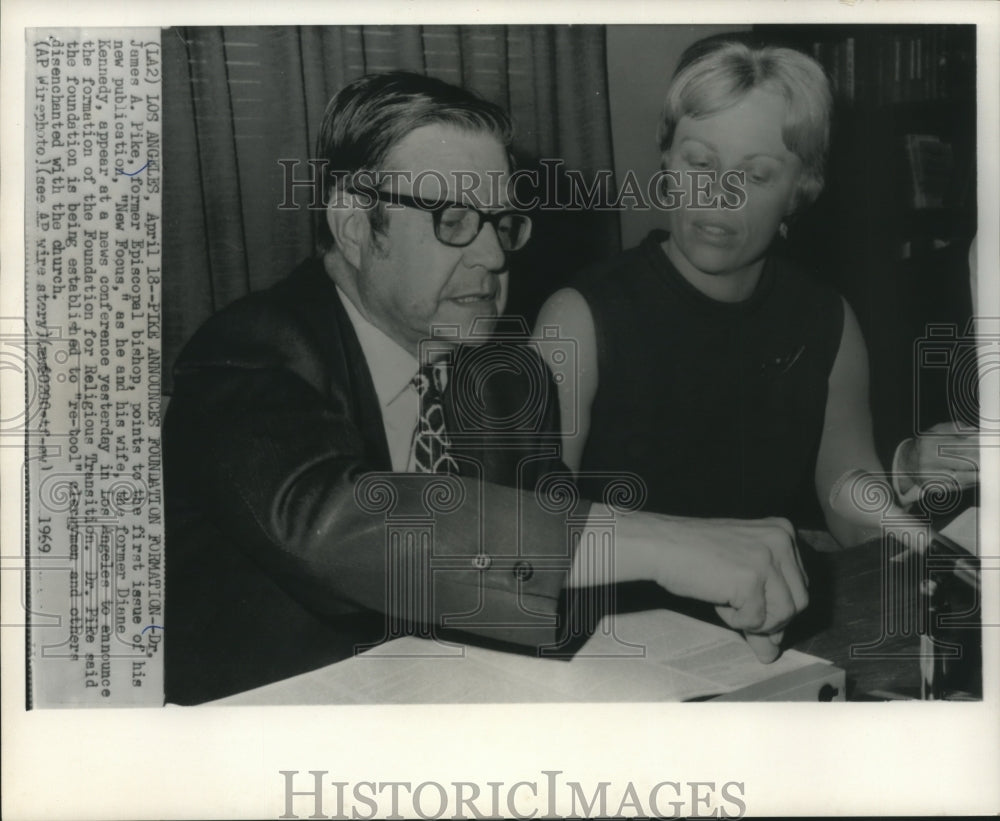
(474, 321)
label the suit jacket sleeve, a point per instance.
(270, 428)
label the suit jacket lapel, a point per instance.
(350, 378)
(367, 409)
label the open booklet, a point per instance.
(963, 530)
(653, 655)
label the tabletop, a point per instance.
(866, 616)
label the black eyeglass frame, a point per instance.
(436, 209)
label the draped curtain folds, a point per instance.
(238, 99)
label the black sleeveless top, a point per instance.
(718, 407)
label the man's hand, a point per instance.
(749, 569)
(942, 450)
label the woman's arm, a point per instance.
(567, 311)
(848, 444)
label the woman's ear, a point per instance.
(349, 226)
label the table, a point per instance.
(864, 617)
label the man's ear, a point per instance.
(349, 226)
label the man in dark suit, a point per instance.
(337, 473)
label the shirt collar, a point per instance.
(392, 368)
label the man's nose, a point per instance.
(485, 250)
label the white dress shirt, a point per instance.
(392, 369)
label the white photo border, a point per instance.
(794, 759)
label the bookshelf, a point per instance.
(892, 228)
(884, 65)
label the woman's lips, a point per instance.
(714, 233)
(471, 299)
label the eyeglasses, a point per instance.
(458, 225)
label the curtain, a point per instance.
(239, 99)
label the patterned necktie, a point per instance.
(430, 441)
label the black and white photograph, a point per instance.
(475, 416)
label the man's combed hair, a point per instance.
(717, 74)
(369, 117)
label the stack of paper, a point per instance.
(654, 655)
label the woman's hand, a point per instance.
(944, 452)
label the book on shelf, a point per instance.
(887, 67)
(931, 167)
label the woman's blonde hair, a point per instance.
(722, 73)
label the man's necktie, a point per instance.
(430, 441)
